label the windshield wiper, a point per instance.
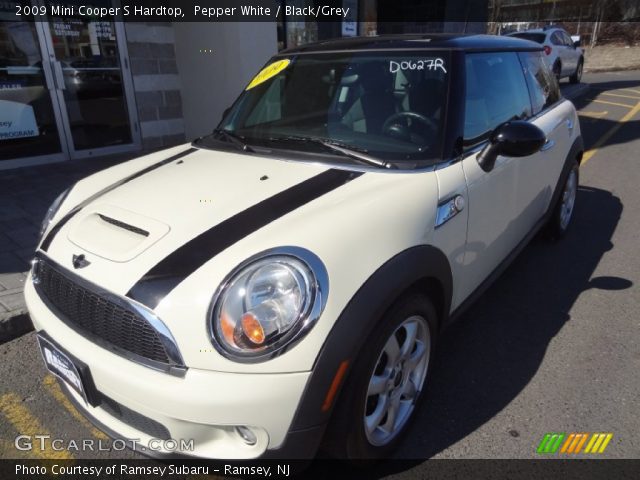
(233, 138)
(345, 150)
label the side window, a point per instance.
(567, 39)
(556, 38)
(496, 92)
(542, 83)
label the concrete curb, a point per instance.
(14, 327)
(610, 69)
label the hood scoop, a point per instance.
(115, 233)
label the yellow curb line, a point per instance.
(611, 103)
(603, 139)
(635, 97)
(52, 386)
(13, 408)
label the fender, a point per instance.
(360, 316)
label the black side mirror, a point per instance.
(576, 44)
(512, 139)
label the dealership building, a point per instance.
(74, 88)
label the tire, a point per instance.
(398, 383)
(577, 75)
(557, 69)
(560, 220)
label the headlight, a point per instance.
(268, 303)
(53, 209)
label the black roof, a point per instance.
(439, 41)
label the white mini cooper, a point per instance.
(278, 285)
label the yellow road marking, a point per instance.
(52, 386)
(593, 114)
(630, 90)
(635, 97)
(611, 103)
(9, 450)
(603, 139)
(24, 423)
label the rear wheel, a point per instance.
(563, 211)
(386, 383)
(577, 75)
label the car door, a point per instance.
(496, 92)
(559, 45)
(572, 53)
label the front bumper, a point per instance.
(205, 406)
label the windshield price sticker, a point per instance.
(268, 72)
(423, 64)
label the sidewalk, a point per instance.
(607, 58)
(25, 196)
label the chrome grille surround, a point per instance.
(116, 323)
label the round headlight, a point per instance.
(268, 303)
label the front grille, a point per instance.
(111, 322)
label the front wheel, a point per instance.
(563, 211)
(577, 75)
(386, 383)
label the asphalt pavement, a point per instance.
(552, 346)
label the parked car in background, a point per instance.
(562, 52)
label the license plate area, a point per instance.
(74, 373)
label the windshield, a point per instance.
(388, 105)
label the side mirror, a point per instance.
(576, 44)
(511, 139)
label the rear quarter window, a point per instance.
(542, 83)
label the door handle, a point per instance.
(58, 75)
(549, 144)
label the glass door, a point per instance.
(87, 57)
(29, 117)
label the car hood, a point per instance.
(141, 219)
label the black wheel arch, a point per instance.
(423, 268)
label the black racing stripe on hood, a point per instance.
(166, 275)
(46, 243)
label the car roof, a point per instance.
(442, 41)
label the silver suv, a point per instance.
(562, 54)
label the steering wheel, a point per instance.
(396, 125)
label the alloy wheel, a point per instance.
(396, 380)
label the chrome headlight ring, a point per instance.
(267, 304)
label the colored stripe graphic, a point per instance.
(550, 443)
(186, 259)
(572, 443)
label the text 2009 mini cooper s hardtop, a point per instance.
(278, 285)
